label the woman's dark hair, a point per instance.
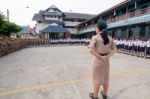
(102, 26)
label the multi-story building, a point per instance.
(129, 19)
(53, 23)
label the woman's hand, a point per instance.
(105, 58)
(101, 58)
(93, 52)
(114, 50)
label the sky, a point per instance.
(22, 11)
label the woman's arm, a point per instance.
(92, 48)
(114, 49)
(93, 52)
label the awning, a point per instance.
(54, 29)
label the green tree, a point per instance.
(14, 28)
(6, 27)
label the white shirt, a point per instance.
(135, 43)
(142, 44)
(130, 43)
(138, 43)
(125, 42)
(148, 43)
(117, 42)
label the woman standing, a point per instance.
(101, 47)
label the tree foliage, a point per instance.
(6, 27)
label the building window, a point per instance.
(142, 31)
(39, 21)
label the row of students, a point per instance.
(69, 41)
(137, 47)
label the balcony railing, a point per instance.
(88, 26)
(136, 13)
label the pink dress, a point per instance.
(100, 67)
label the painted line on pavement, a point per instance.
(57, 84)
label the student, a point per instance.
(126, 46)
(130, 44)
(135, 47)
(122, 44)
(142, 48)
(101, 47)
(138, 47)
(148, 48)
(117, 43)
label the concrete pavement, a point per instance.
(65, 73)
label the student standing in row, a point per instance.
(148, 48)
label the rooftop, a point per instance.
(72, 15)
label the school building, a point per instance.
(129, 19)
(53, 23)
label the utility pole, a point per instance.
(8, 14)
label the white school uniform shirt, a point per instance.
(142, 44)
(135, 43)
(121, 42)
(130, 43)
(138, 43)
(126, 43)
(117, 42)
(148, 43)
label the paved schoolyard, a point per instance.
(65, 73)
